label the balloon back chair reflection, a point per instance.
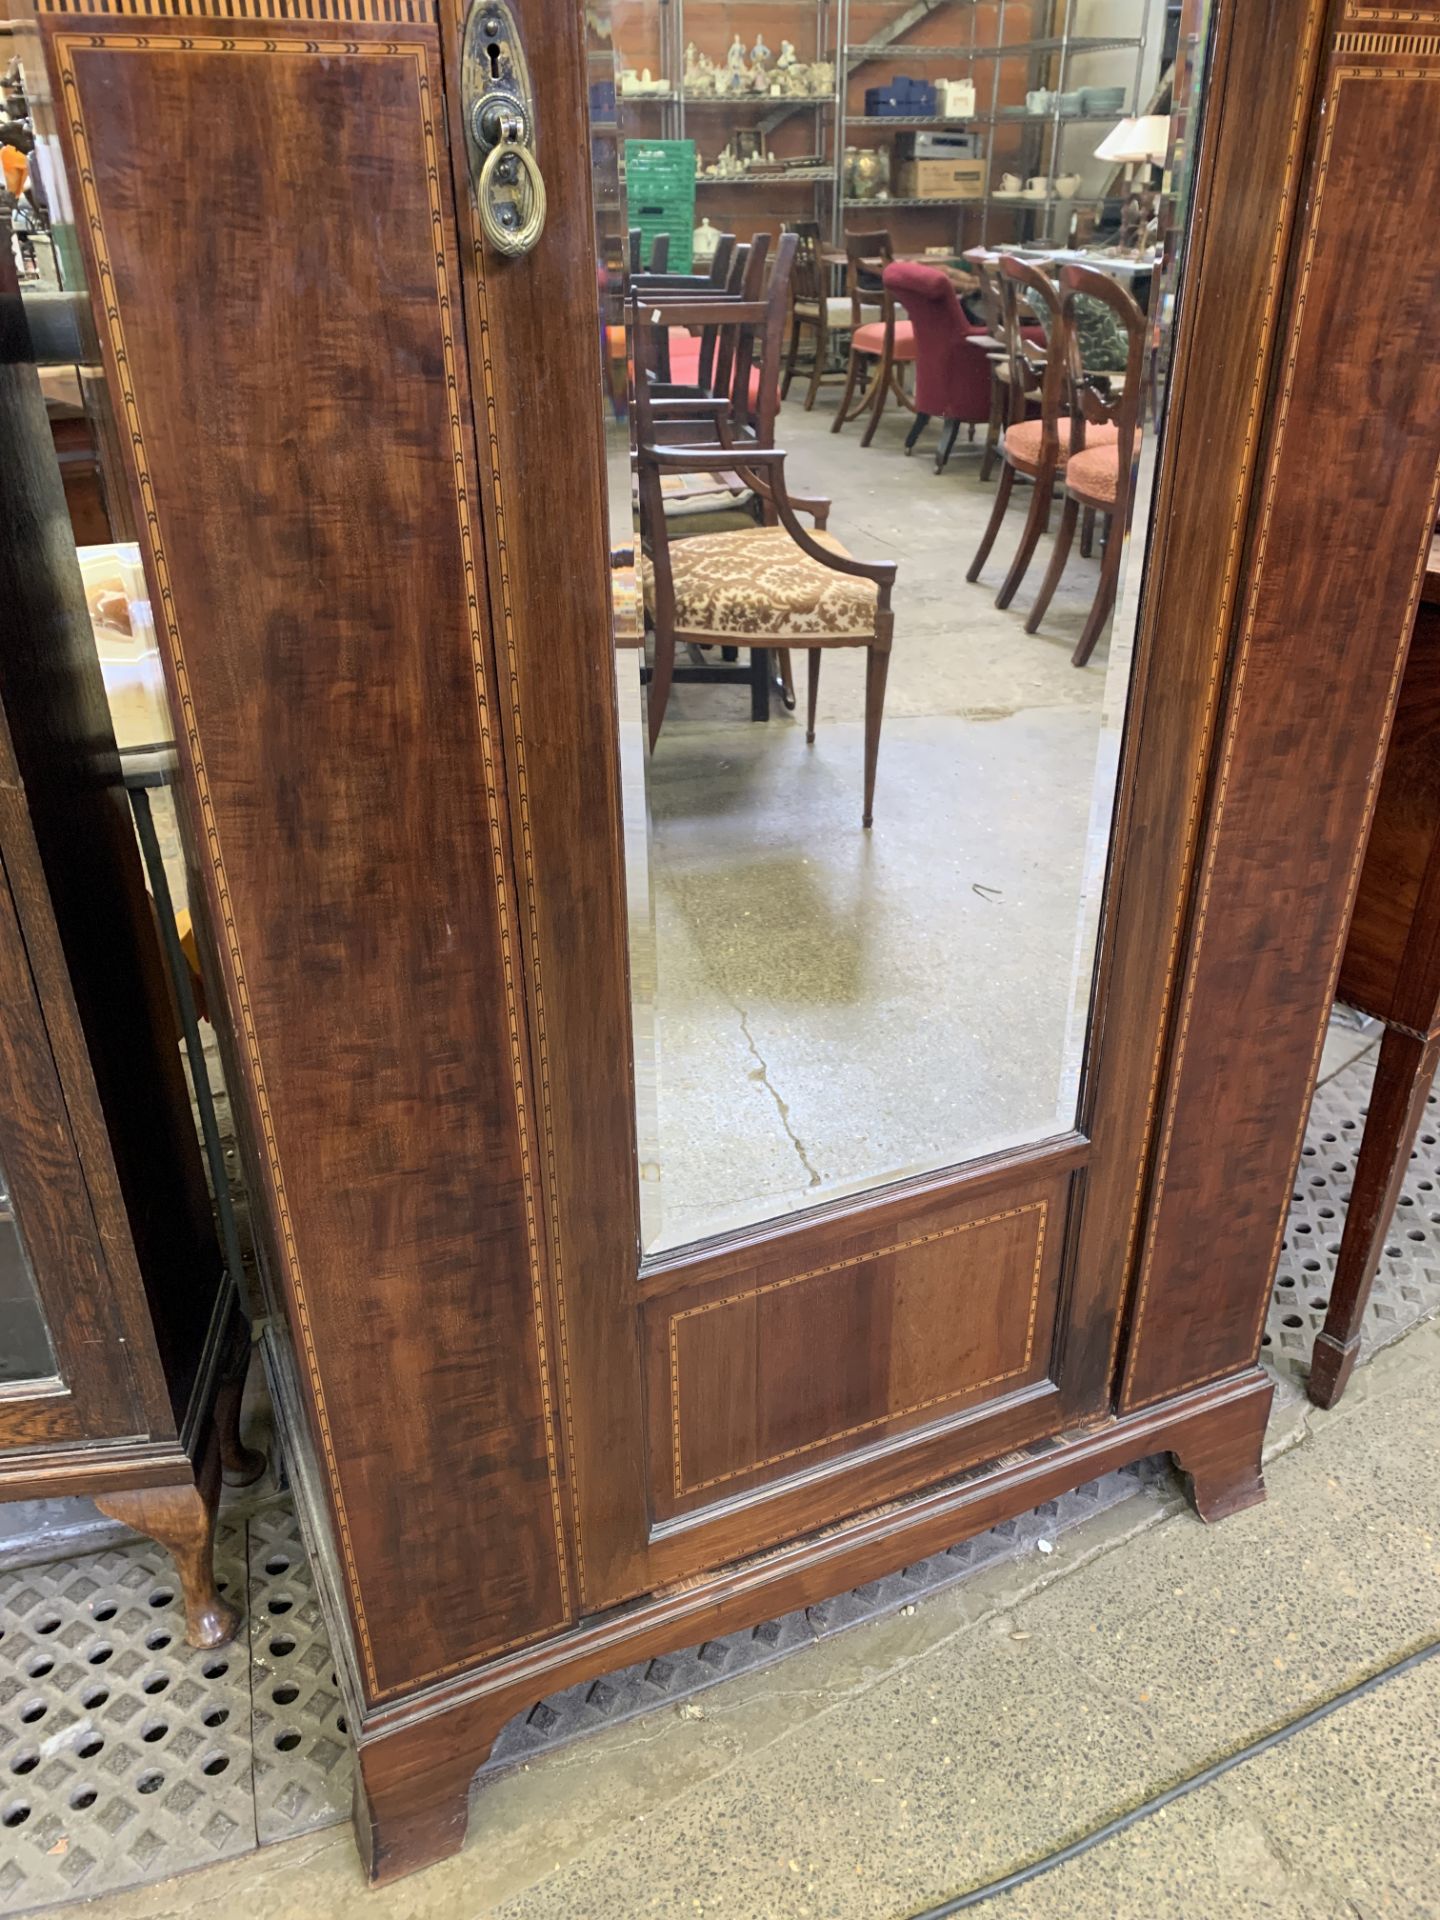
(952, 377)
(1034, 449)
(1099, 468)
(878, 348)
(776, 585)
(1002, 411)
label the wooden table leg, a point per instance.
(759, 683)
(1403, 1074)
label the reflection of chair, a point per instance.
(992, 307)
(1034, 448)
(879, 347)
(747, 358)
(619, 284)
(952, 379)
(659, 251)
(694, 357)
(1100, 465)
(816, 310)
(657, 280)
(723, 342)
(740, 412)
(760, 587)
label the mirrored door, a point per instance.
(879, 465)
(64, 1371)
(880, 462)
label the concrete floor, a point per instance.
(832, 1008)
(907, 1760)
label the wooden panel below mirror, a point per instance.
(751, 1382)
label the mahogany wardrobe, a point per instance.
(356, 353)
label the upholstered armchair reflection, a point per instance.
(776, 585)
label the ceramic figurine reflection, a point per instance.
(737, 73)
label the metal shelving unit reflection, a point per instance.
(867, 50)
(1049, 57)
(772, 109)
(1058, 49)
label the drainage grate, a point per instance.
(126, 1756)
(302, 1748)
(113, 1732)
(1407, 1285)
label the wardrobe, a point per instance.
(364, 440)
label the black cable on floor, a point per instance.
(961, 1902)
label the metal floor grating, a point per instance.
(1407, 1285)
(125, 1757)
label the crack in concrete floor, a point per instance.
(760, 1073)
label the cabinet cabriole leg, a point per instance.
(182, 1520)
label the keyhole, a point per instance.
(494, 52)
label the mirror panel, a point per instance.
(969, 270)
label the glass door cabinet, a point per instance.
(119, 1323)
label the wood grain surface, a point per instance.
(285, 339)
(1401, 852)
(1335, 551)
(536, 377)
(755, 1379)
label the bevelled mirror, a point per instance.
(887, 294)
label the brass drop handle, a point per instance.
(511, 192)
(499, 113)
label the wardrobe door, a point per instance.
(497, 967)
(894, 1111)
(267, 216)
(899, 1088)
(64, 1372)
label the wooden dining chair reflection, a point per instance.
(1041, 354)
(1100, 464)
(659, 252)
(1001, 411)
(878, 347)
(692, 356)
(816, 313)
(653, 280)
(743, 362)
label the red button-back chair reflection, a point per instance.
(952, 378)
